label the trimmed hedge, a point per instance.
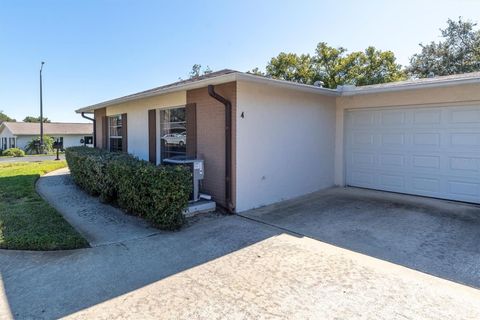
(159, 194)
(13, 152)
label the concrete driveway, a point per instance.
(437, 237)
(231, 267)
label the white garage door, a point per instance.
(432, 151)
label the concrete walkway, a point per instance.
(220, 267)
(98, 223)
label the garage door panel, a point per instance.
(363, 138)
(464, 164)
(393, 139)
(363, 158)
(423, 184)
(393, 118)
(426, 162)
(469, 139)
(463, 188)
(392, 160)
(464, 115)
(424, 151)
(427, 117)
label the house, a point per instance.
(18, 134)
(266, 140)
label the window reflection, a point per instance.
(173, 132)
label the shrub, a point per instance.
(33, 146)
(159, 194)
(13, 152)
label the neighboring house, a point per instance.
(18, 134)
(288, 139)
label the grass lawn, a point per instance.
(27, 222)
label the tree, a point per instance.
(256, 71)
(4, 117)
(459, 52)
(33, 146)
(334, 67)
(197, 71)
(291, 67)
(35, 119)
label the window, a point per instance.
(4, 143)
(115, 133)
(11, 142)
(173, 133)
(88, 139)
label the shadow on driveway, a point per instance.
(437, 237)
(50, 285)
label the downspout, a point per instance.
(94, 129)
(228, 145)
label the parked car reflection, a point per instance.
(178, 139)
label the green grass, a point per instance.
(27, 222)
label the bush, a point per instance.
(13, 152)
(159, 194)
(33, 146)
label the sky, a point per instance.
(97, 50)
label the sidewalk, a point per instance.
(99, 223)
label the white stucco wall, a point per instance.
(285, 144)
(5, 133)
(137, 118)
(68, 140)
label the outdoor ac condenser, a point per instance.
(196, 166)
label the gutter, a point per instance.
(228, 145)
(94, 128)
(212, 81)
(353, 91)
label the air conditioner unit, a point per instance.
(196, 167)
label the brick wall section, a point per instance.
(99, 115)
(211, 138)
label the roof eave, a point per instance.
(237, 76)
(52, 133)
(413, 86)
(287, 84)
(187, 86)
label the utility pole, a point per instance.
(41, 109)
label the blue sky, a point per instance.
(96, 50)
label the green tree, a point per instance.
(458, 52)
(33, 146)
(335, 66)
(292, 67)
(256, 71)
(4, 117)
(35, 119)
(197, 71)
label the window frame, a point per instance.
(160, 155)
(119, 145)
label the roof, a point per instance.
(183, 82)
(228, 75)
(214, 78)
(49, 128)
(439, 81)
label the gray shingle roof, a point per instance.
(181, 82)
(53, 128)
(227, 75)
(421, 81)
